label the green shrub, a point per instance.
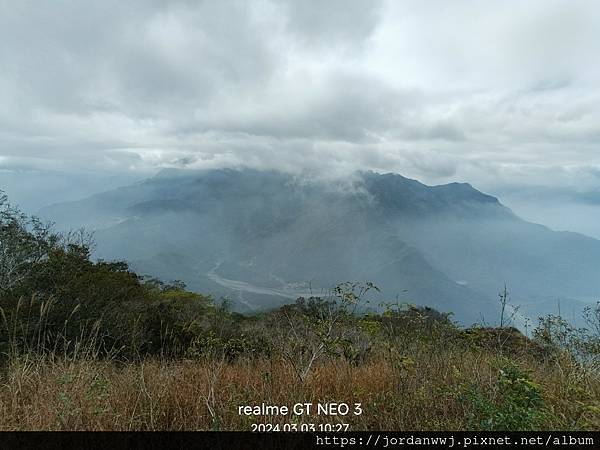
(515, 404)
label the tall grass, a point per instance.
(416, 384)
(30, 335)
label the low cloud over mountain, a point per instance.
(263, 238)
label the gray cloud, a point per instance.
(497, 95)
(332, 24)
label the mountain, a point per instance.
(263, 238)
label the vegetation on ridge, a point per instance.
(90, 345)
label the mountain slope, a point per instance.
(262, 238)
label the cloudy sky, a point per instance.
(503, 95)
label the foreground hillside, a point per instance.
(90, 345)
(429, 385)
(265, 238)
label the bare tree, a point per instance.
(24, 242)
(503, 296)
(311, 328)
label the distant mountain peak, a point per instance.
(398, 193)
(386, 228)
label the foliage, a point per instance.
(558, 336)
(55, 298)
(317, 326)
(80, 336)
(514, 404)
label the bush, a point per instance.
(515, 404)
(55, 299)
(557, 336)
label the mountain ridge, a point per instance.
(448, 246)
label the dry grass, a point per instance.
(422, 391)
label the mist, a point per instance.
(214, 207)
(507, 99)
(31, 189)
(262, 238)
(299, 99)
(561, 211)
